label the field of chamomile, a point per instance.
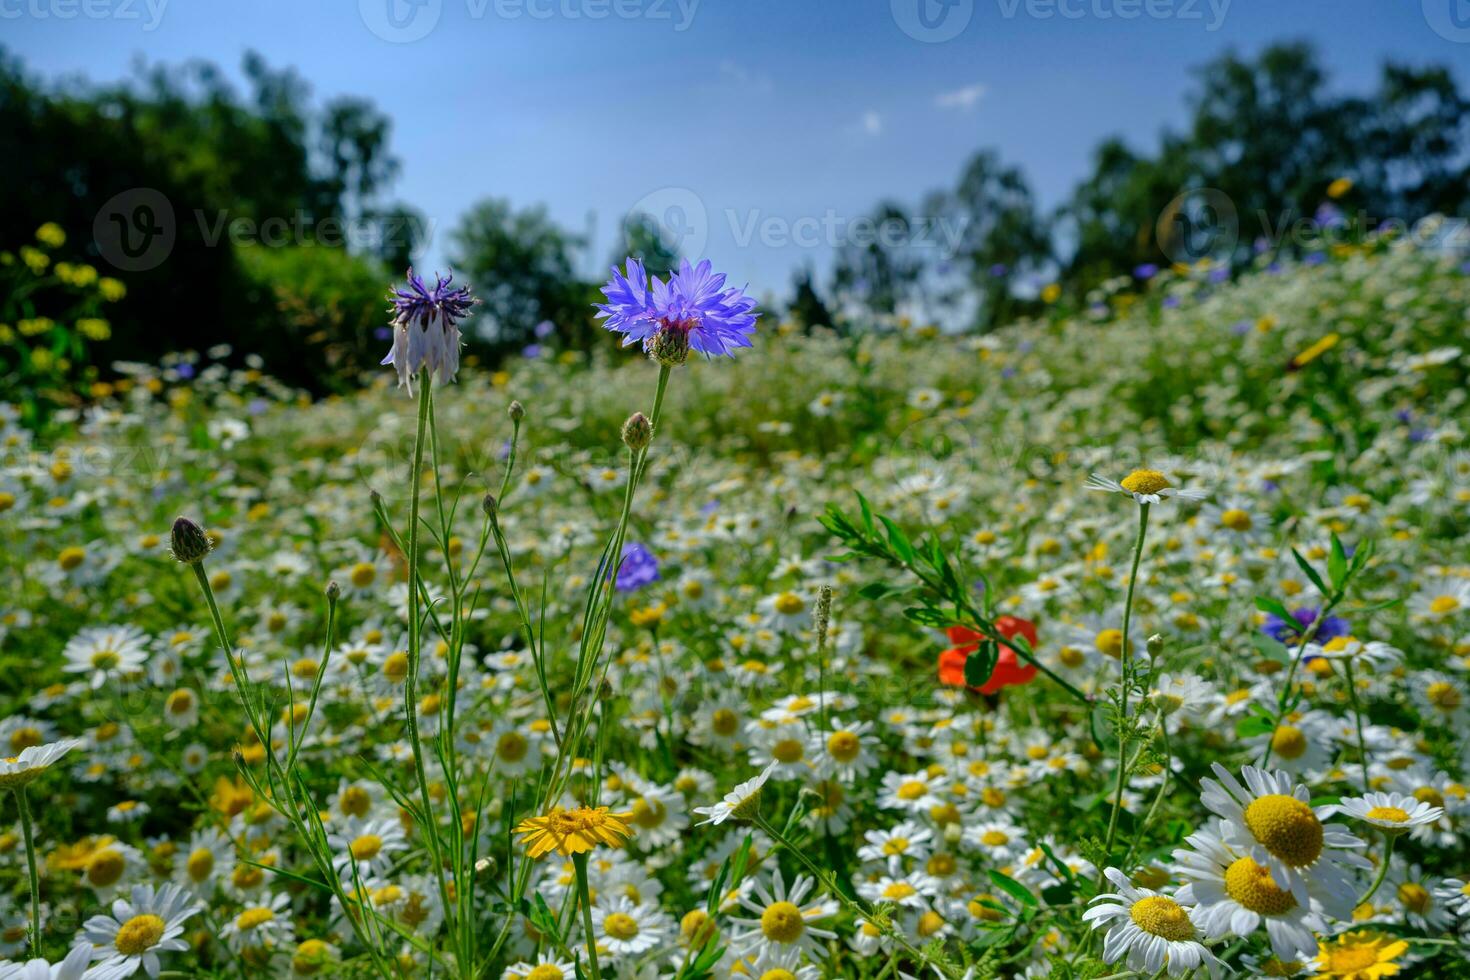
(1130, 641)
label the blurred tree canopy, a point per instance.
(1271, 161)
(173, 181)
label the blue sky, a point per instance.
(759, 127)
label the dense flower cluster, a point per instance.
(753, 777)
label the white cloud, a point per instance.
(872, 123)
(743, 78)
(963, 99)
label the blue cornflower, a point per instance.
(1283, 631)
(426, 327)
(637, 569)
(692, 310)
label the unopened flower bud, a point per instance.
(517, 411)
(670, 346)
(1155, 645)
(823, 614)
(189, 542)
(490, 505)
(637, 431)
(953, 833)
(334, 591)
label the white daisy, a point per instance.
(785, 921)
(363, 847)
(1234, 895)
(1145, 487)
(105, 653)
(625, 928)
(742, 802)
(1392, 813)
(1154, 932)
(19, 770)
(1270, 820)
(148, 923)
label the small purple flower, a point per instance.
(694, 308)
(186, 370)
(1240, 328)
(532, 351)
(1170, 302)
(999, 270)
(544, 329)
(637, 569)
(1302, 617)
(1146, 271)
(1220, 274)
(1316, 258)
(426, 327)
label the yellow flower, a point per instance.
(571, 832)
(111, 289)
(51, 234)
(1315, 351)
(1051, 293)
(1339, 187)
(1361, 955)
(650, 616)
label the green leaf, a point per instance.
(1273, 606)
(1251, 726)
(897, 540)
(1311, 573)
(1337, 563)
(1013, 888)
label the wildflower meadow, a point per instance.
(1130, 639)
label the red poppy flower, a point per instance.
(1009, 668)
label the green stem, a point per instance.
(1126, 665)
(1358, 723)
(1382, 870)
(579, 864)
(28, 833)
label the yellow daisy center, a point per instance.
(546, 971)
(354, 801)
(253, 918)
(781, 922)
(1235, 519)
(898, 891)
(366, 847)
(1110, 643)
(395, 668)
(788, 750)
(512, 746)
(995, 838)
(1251, 885)
(1414, 896)
(648, 813)
(1442, 604)
(912, 789)
(139, 934)
(106, 867)
(1392, 814)
(1430, 795)
(979, 910)
(620, 925)
(24, 738)
(930, 923)
(1160, 916)
(778, 973)
(1145, 481)
(71, 558)
(1444, 696)
(789, 604)
(363, 574)
(1289, 742)
(844, 746)
(105, 659)
(200, 864)
(1287, 828)
(724, 722)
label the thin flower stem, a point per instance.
(1382, 871)
(1127, 681)
(579, 864)
(27, 832)
(415, 650)
(1358, 723)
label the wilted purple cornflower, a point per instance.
(692, 310)
(1282, 631)
(637, 569)
(426, 328)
